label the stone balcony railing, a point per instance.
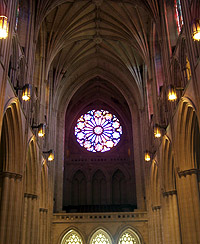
(135, 216)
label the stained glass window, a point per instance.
(72, 237)
(17, 17)
(98, 131)
(129, 237)
(100, 237)
(178, 14)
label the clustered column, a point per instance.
(189, 203)
(10, 206)
(29, 234)
(171, 224)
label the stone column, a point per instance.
(157, 225)
(170, 218)
(189, 204)
(8, 207)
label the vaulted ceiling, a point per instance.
(109, 39)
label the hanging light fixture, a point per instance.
(26, 92)
(41, 129)
(172, 96)
(51, 155)
(147, 156)
(3, 27)
(157, 131)
(196, 29)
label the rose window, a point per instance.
(98, 131)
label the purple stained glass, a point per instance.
(98, 131)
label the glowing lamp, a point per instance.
(157, 131)
(3, 27)
(41, 130)
(172, 96)
(26, 92)
(196, 30)
(50, 155)
(147, 156)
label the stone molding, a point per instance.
(168, 193)
(188, 172)
(43, 210)
(29, 195)
(99, 217)
(10, 175)
(156, 208)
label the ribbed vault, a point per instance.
(92, 38)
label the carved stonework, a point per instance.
(167, 193)
(10, 175)
(29, 195)
(156, 208)
(188, 172)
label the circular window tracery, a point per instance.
(98, 130)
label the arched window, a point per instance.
(78, 189)
(99, 188)
(129, 237)
(98, 131)
(72, 237)
(17, 16)
(178, 15)
(119, 188)
(100, 237)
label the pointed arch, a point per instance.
(129, 236)
(11, 154)
(31, 169)
(168, 169)
(100, 236)
(78, 189)
(188, 136)
(155, 184)
(72, 236)
(119, 187)
(99, 188)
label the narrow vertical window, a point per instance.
(17, 17)
(178, 15)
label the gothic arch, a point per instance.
(99, 188)
(78, 188)
(132, 233)
(100, 231)
(11, 139)
(30, 194)
(187, 136)
(71, 233)
(11, 169)
(119, 187)
(44, 185)
(155, 184)
(168, 169)
(31, 173)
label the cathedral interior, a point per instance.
(99, 121)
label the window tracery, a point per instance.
(100, 237)
(72, 237)
(129, 237)
(178, 15)
(98, 130)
